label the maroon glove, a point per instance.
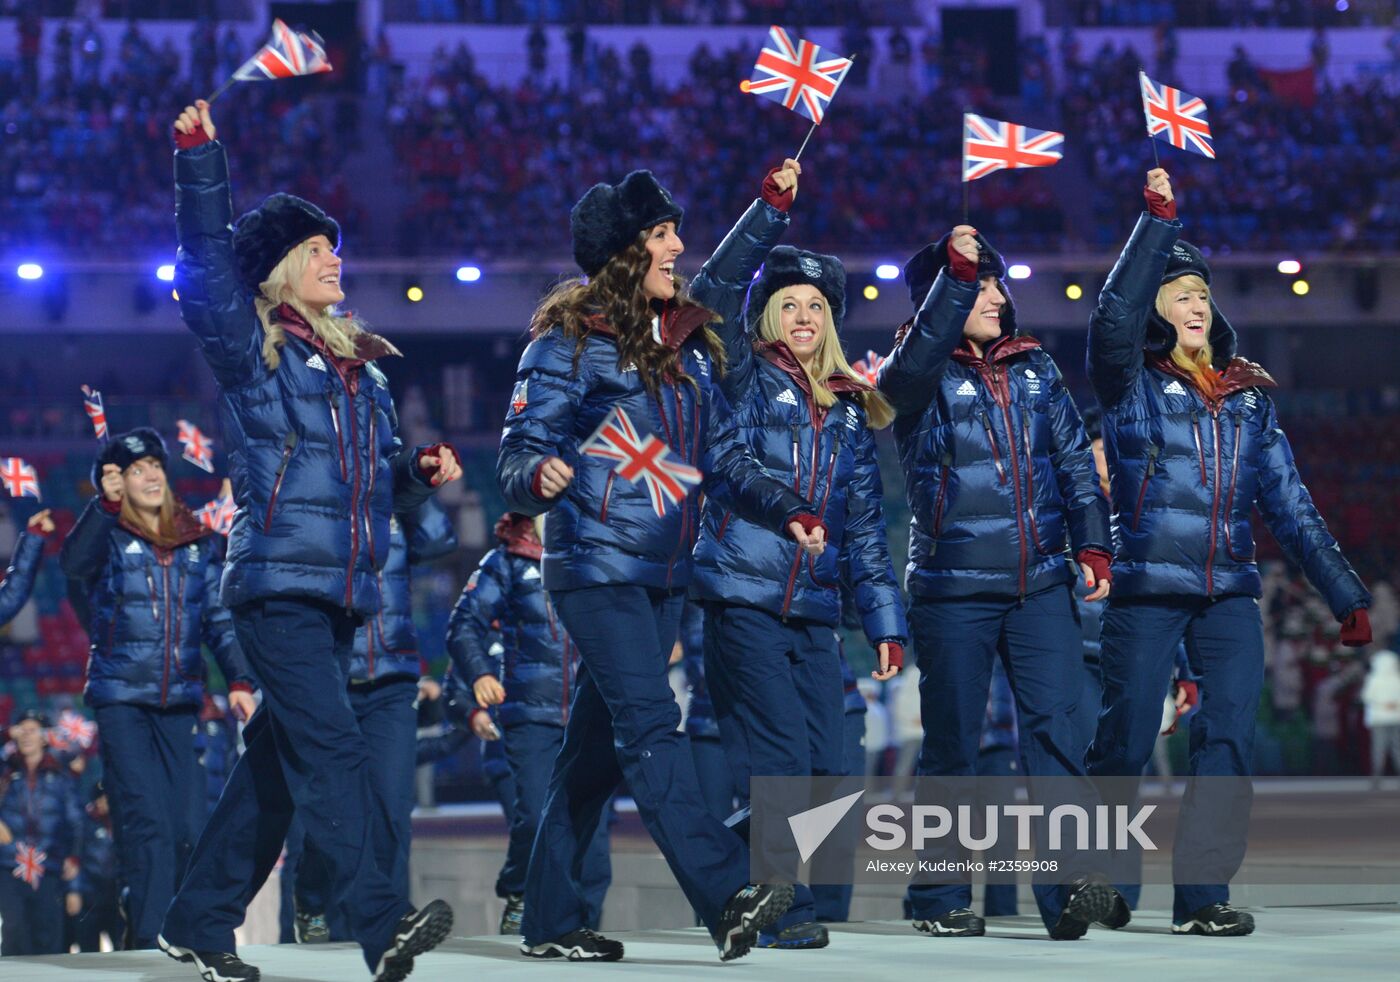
(1098, 561)
(781, 200)
(1159, 206)
(241, 687)
(435, 451)
(1193, 698)
(896, 654)
(109, 506)
(188, 141)
(1356, 629)
(810, 523)
(961, 267)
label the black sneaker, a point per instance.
(1120, 915)
(755, 908)
(582, 945)
(809, 934)
(419, 931)
(510, 917)
(311, 929)
(1217, 921)
(1091, 900)
(960, 923)
(213, 966)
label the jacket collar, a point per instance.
(780, 355)
(187, 529)
(1001, 349)
(368, 346)
(48, 762)
(678, 323)
(517, 536)
(1239, 374)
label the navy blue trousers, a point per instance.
(716, 775)
(305, 754)
(999, 897)
(530, 750)
(154, 784)
(779, 700)
(833, 900)
(624, 724)
(1038, 640)
(1225, 648)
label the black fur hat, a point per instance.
(608, 217)
(786, 267)
(263, 237)
(1186, 260)
(125, 449)
(923, 268)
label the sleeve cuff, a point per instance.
(781, 200)
(109, 506)
(241, 687)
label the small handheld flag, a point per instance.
(21, 480)
(73, 730)
(287, 54)
(1176, 117)
(29, 864)
(648, 459)
(92, 405)
(199, 449)
(868, 368)
(218, 514)
(990, 145)
(799, 76)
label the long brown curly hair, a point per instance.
(614, 298)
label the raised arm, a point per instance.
(84, 552)
(24, 567)
(1118, 326)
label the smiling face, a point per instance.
(802, 314)
(28, 737)
(319, 285)
(983, 324)
(1185, 304)
(663, 246)
(144, 484)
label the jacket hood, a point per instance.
(516, 534)
(1187, 260)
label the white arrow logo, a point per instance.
(810, 828)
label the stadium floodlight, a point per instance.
(887, 271)
(29, 271)
(1301, 287)
(1018, 271)
(165, 272)
(1290, 267)
(468, 274)
(871, 292)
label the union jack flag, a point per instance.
(199, 449)
(869, 366)
(1176, 117)
(990, 145)
(29, 864)
(287, 54)
(92, 403)
(647, 458)
(800, 76)
(21, 480)
(73, 730)
(218, 514)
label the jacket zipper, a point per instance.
(165, 633)
(797, 481)
(1001, 385)
(372, 462)
(942, 490)
(821, 512)
(1214, 505)
(178, 605)
(1230, 498)
(339, 439)
(992, 440)
(288, 445)
(1152, 451)
(354, 488)
(1030, 478)
(607, 492)
(1200, 450)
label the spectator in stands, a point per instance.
(97, 878)
(24, 565)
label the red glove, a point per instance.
(810, 523)
(109, 506)
(1098, 561)
(435, 451)
(781, 200)
(896, 654)
(188, 141)
(1159, 206)
(1193, 698)
(241, 687)
(961, 267)
(1356, 629)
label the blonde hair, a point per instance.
(828, 360)
(1198, 365)
(279, 288)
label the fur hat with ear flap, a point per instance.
(125, 449)
(787, 267)
(607, 219)
(1187, 260)
(923, 268)
(263, 237)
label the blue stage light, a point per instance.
(887, 271)
(29, 271)
(468, 274)
(166, 272)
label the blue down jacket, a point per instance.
(998, 470)
(604, 529)
(150, 610)
(386, 644)
(1187, 472)
(19, 578)
(313, 455)
(505, 601)
(41, 809)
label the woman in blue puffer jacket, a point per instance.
(24, 565)
(617, 558)
(316, 468)
(772, 660)
(1193, 445)
(150, 576)
(1001, 483)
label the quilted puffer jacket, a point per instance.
(19, 578)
